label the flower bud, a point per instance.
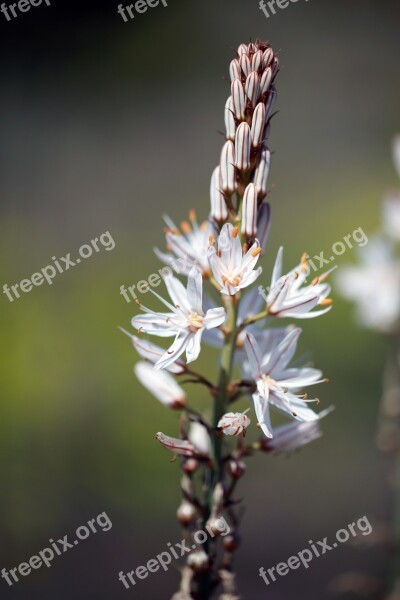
(269, 105)
(257, 60)
(161, 384)
(234, 423)
(231, 542)
(234, 70)
(263, 224)
(258, 124)
(252, 88)
(190, 465)
(245, 64)
(198, 561)
(262, 171)
(198, 436)
(265, 82)
(267, 57)
(249, 220)
(237, 468)
(243, 147)
(239, 101)
(213, 526)
(186, 513)
(219, 212)
(227, 171)
(242, 49)
(177, 446)
(230, 124)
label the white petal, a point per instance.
(177, 292)
(155, 324)
(174, 351)
(254, 355)
(193, 346)
(261, 408)
(153, 353)
(161, 384)
(195, 291)
(214, 317)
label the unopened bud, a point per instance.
(198, 561)
(190, 465)
(249, 229)
(263, 224)
(186, 513)
(219, 212)
(237, 468)
(234, 69)
(256, 61)
(243, 147)
(242, 49)
(231, 542)
(227, 165)
(266, 79)
(267, 57)
(258, 125)
(262, 171)
(239, 101)
(245, 64)
(252, 88)
(230, 124)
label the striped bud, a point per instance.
(242, 49)
(258, 124)
(256, 61)
(228, 167)
(263, 224)
(253, 88)
(219, 211)
(266, 79)
(252, 48)
(262, 171)
(269, 105)
(230, 124)
(245, 64)
(238, 99)
(234, 70)
(249, 211)
(243, 147)
(267, 57)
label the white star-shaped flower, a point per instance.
(276, 382)
(232, 269)
(188, 246)
(288, 298)
(186, 319)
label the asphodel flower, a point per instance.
(186, 320)
(232, 269)
(277, 384)
(234, 423)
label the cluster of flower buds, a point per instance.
(245, 157)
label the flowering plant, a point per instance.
(223, 253)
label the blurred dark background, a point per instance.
(106, 125)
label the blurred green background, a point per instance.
(105, 126)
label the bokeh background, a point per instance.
(106, 125)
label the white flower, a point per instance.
(287, 297)
(188, 248)
(186, 321)
(234, 423)
(274, 380)
(230, 268)
(292, 436)
(198, 436)
(374, 285)
(161, 384)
